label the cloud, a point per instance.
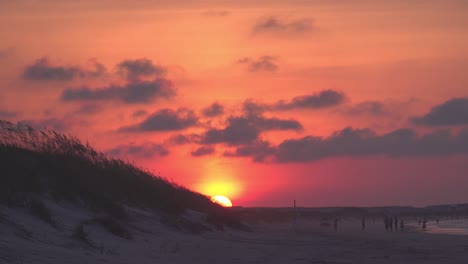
(274, 24)
(274, 123)
(238, 131)
(323, 99)
(181, 139)
(203, 151)
(258, 150)
(263, 63)
(246, 129)
(7, 114)
(215, 109)
(165, 120)
(131, 93)
(136, 69)
(43, 70)
(364, 142)
(451, 113)
(88, 109)
(216, 13)
(49, 123)
(139, 113)
(375, 108)
(145, 150)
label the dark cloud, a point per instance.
(323, 99)
(375, 108)
(48, 123)
(252, 108)
(146, 150)
(274, 123)
(258, 150)
(203, 151)
(365, 142)
(136, 69)
(274, 24)
(139, 113)
(264, 63)
(43, 70)
(138, 92)
(216, 13)
(89, 109)
(451, 113)
(246, 129)
(181, 139)
(165, 120)
(239, 130)
(216, 109)
(7, 114)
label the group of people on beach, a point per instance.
(391, 223)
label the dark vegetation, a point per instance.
(45, 162)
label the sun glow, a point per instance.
(222, 200)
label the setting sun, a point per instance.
(222, 200)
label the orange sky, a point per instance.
(128, 77)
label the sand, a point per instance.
(24, 239)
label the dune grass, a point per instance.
(34, 162)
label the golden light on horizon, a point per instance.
(222, 200)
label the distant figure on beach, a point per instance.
(386, 223)
(437, 220)
(335, 224)
(424, 224)
(402, 225)
(395, 221)
(390, 224)
(363, 224)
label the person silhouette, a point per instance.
(335, 224)
(402, 225)
(424, 224)
(363, 224)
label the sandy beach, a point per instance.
(25, 240)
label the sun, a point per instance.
(222, 200)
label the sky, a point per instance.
(329, 103)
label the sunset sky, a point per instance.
(331, 103)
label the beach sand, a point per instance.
(25, 240)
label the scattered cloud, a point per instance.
(215, 109)
(374, 108)
(246, 129)
(165, 120)
(181, 139)
(216, 13)
(451, 113)
(7, 114)
(145, 150)
(360, 142)
(263, 63)
(139, 113)
(134, 70)
(48, 123)
(131, 93)
(88, 109)
(43, 70)
(274, 24)
(239, 130)
(203, 151)
(258, 150)
(323, 99)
